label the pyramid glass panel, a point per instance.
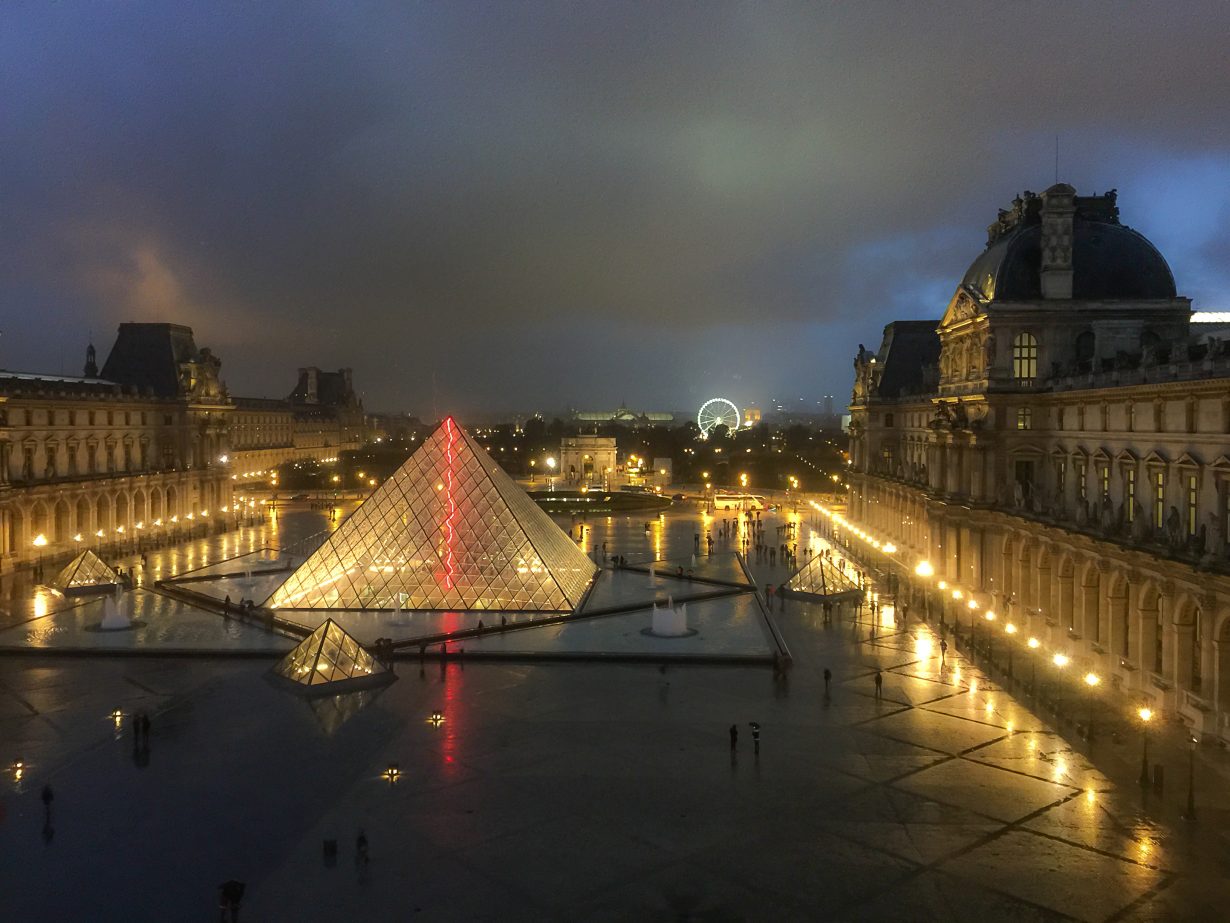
(821, 577)
(449, 530)
(327, 655)
(87, 569)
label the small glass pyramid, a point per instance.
(85, 571)
(821, 577)
(449, 530)
(328, 655)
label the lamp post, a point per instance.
(924, 570)
(1060, 661)
(1010, 630)
(40, 542)
(1145, 714)
(1191, 779)
(1034, 644)
(551, 472)
(1091, 681)
(990, 617)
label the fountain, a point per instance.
(114, 618)
(670, 621)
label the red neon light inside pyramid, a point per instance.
(449, 530)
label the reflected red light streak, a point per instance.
(450, 506)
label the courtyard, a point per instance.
(582, 789)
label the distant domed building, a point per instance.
(1056, 448)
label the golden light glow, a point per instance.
(40, 540)
(1034, 643)
(973, 604)
(942, 585)
(1060, 660)
(1010, 628)
(1092, 679)
(990, 616)
(1145, 714)
(924, 569)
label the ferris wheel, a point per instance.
(714, 411)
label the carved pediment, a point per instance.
(962, 308)
(1187, 461)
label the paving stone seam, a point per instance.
(1168, 879)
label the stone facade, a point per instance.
(152, 442)
(1060, 451)
(587, 459)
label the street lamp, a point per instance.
(1145, 714)
(1010, 630)
(551, 469)
(1191, 779)
(1091, 681)
(1034, 644)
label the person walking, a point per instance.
(879, 685)
(755, 737)
(360, 851)
(943, 651)
(734, 738)
(828, 678)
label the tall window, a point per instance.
(1024, 418)
(1159, 498)
(1061, 477)
(1024, 358)
(1104, 480)
(1197, 628)
(1129, 490)
(1193, 504)
(1158, 641)
(1081, 479)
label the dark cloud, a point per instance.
(537, 205)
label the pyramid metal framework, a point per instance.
(821, 577)
(328, 655)
(450, 530)
(85, 571)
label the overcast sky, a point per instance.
(543, 205)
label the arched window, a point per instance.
(1085, 344)
(1025, 358)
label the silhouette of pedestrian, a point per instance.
(828, 678)
(943, 651)
(48, 797)
(230, 895)
(145, 728)
(879, 685)
(734, 738)
(755, 737)
(360, 850)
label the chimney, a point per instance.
(1058, 212)
(308, 382)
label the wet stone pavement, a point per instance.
(582, 791)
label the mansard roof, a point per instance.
(908, 349)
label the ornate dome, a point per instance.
(1109, 261)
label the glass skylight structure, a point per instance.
(821, 577)
(449, 530)
(85, 571)
(328, 655)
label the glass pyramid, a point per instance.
(821, 577)
(449, 530)
(86, 570)
(328, 655)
